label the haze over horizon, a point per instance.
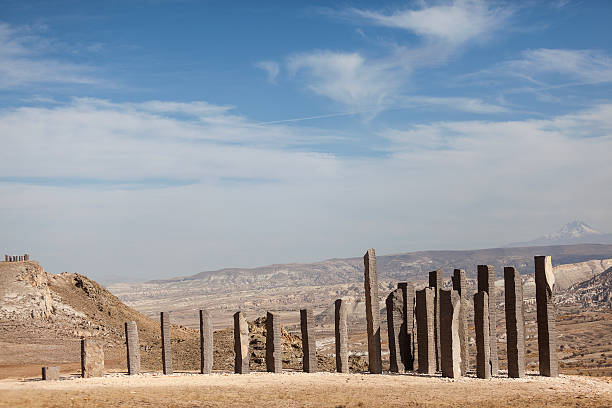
(145, 140)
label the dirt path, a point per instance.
(298, 389)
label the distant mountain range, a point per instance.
(575, 232)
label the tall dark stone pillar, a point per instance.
(133, 348)
(241, 344)
(460, 286)
(206, 342)
(372, 312)
(395, 321)
(515, 322)
(486, 283)
(481, 327)
(166, 343)
(425, 330)
(274, 357)
(435, 282)
(408, 331)
(547, 332)
(342, 365)
(309, 343)
(92, 358)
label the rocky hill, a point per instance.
(596, 291)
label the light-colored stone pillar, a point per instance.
(450, 343)
(481, 327)
(372, 312)
(547, 332)
(92, 358)
(486, 283)
(241, 344)
(459, 285)
(206, 342)
(166, 343)
(341, 332)
(50, 373)
(435, 282)
(133, 348)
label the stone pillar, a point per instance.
(408, 331)
(435, 282)
(486, 283)
(92, 358)
(309, 343)
(26, 257)
(460, 286)
(274, 357)
(450, 343)
(241, 344)
(206, 342)
(50, 373)
(6, 258)
(547, 333)
(425, 330)
(481, 327)
(166, 347)
(372, 312)
(342, 365)
(515, 322)
(395, 321)
(20, 258)
(133, 348)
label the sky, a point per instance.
(154, 139)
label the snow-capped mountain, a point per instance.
(575, 232)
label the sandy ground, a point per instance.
(291, 389)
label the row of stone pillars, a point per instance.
(16, 258)
(441, 323)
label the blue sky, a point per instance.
(148, 139)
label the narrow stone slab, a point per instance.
(133, 348)
(274, 357)
(309, 343)
(92, 358)
(395, 321)
(459, 285)
(435, 282)
(372, 312)
(50, 373)
(547, 332)
(408, 329)
(450, 343)
(486, 283)
(425, 330)
(166, 343)
(342, 364)
(515, 322)
(206, 342)
(241, 344)
(481, 327)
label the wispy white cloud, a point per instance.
(454, 23)
(272, 68)
(23, 61)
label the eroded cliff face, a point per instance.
(24, 291)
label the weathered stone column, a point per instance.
(460, 286)
(133, 348)
(241, 344)
(450, 343)
(274, 357)
(309, 343)
(26, 257)
(515, 322)
(342, 365)
(408, 331)
(92, 358)
(372, 312)
(547, 332)
(425, 330)
(166, 347)
(435, 282)
(50, 373)
(206, 342)
(6, 258)
(486, 283)
(395, 321)
(481, 327)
